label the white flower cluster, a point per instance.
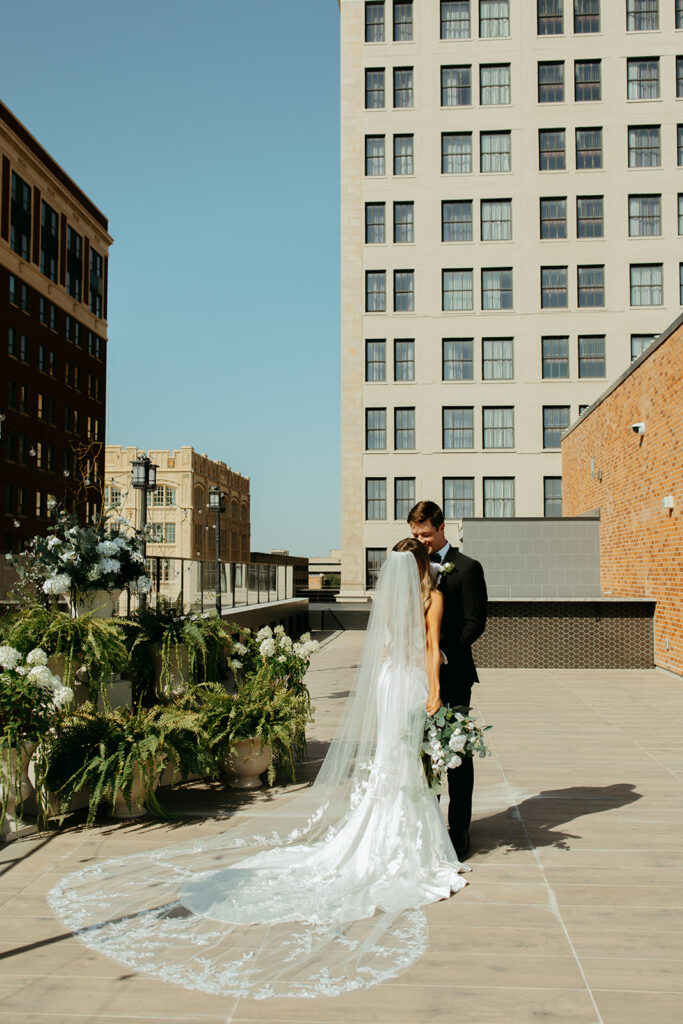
(442, 757)
(141, 585)
(57, 584)
(276, 643)
(105, 566)
(35, 668)
(448, 737)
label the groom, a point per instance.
(461, 581)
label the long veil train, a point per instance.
(329, 899)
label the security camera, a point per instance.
(638, 428)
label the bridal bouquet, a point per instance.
(449, 735)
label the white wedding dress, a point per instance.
(329, 900)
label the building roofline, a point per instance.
(51, 165)
(651, 348)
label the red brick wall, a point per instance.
(641, 543)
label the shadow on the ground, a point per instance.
(535, 821)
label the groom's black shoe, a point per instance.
(461, 843)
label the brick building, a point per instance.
(624, 458)
(53, 329)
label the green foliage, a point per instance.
(167, 628)
(104, 751)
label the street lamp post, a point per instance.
(216, 505)
(144, 480)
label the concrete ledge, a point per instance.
(291, 613)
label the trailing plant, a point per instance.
(165, 626)
(260, 709)
(101, 645)
(105, 751)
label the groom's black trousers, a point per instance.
(460, 779)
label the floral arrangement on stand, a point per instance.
(32, 700)
(75, 560)
(271, 652)
(449, 735)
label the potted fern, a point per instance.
(179, 649)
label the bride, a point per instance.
(329, 899)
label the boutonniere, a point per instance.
(446, 567)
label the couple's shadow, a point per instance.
(535, 822)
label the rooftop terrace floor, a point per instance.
(573, 914)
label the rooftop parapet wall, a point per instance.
(635, 480)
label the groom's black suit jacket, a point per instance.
(464, 619)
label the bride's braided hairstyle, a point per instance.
(423, 566)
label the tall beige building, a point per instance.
(512, 205)
(182, 526)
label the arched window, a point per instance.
(245, 513)
(199, 499)
(235, 509)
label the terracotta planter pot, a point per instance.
(137, 798)
(16, 788)
(245, 763)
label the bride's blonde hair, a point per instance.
(423, 568)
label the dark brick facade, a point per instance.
(567, 634)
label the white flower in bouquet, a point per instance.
(108, 565)
(62, 696)
(240, 649)
(53, 542)
(286, 644)
(70, 558)
(304, 638)
(57, 584)
(9, 657)
(282, 659)
(36, 657)
(121, 543)
(267, 647)
(265, 633)
(137, 557)
(41, 674)
(107, 547)
(141, 585)
(279, 630)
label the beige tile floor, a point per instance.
(573, 914)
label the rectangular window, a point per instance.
(374, 22)
(552, 497)
(403, 88)
(587, 81)
(590, 285)
(679, 13)
(555, 421)
(456, 85)
(555, 358)
(644, 215)
(494, 19)
(404, 496)
(404, 222)
(375, 498)
(495, 152)
(494, 84)
(588, 148)
(456, 221)
(680, 213)
(456, 153)
(586, 16)
(404, 359)
(96, 283)
(403, 22)
(646, 284)
(554, 217)
(551, 149)
(375, 291)
(11, 342)
(374, 560)
(644, 149)
(20, 217)
(589, 217)
(550, 17)
(592, 355)
(374, 155)
(375, 359)
(498, 427)
(497, 358)
(458, 497)
(496, 220)
(642, 15)
(679, 146)
(49, 241)
(554, 293)
(374, 223)
(404, 291)
(74, 264)
(499, 497)
(43, 310)
(551, 81)
(457, 428)
(169, 533)
(456, 290)
(455, 19)
(639, 342)
(404, 429)
(496, 288)
(457, 359)
(679, 77)
(403, 154)
(376, 429)
(374, 88)
(642, 78)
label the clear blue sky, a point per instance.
(207, 132)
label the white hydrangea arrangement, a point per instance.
(31, 695)
(73, 559)
(271, 649)
(449, 735)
